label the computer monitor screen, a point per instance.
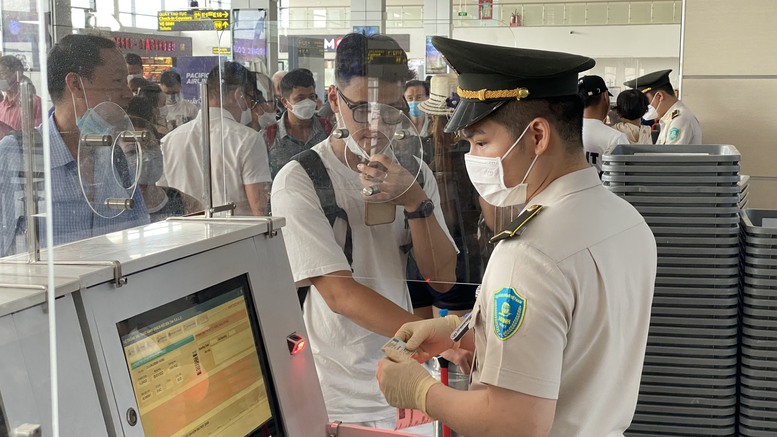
(198, 367)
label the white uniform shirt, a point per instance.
(241, 161)
(598, 139)
(346, 354)
(564, 308)
(178, 113)
(679, 126)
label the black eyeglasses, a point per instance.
(388, 114)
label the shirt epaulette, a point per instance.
(675, 114)
(515, 228)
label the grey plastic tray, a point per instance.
(764, 263)
(700, 190)
(697, 271)
(693, 322)
(686, 210)
(650, 429)
(744, 431)
(709, 260)
(691, 372)
(702, 332)
(691, 231)
(762, 424)
(759, 306)
(764, 334)
(756, 393)
(680, 201)
(670, 180)
(759, 251)
(758, 362)
(681, 421)
(759, 282)
(752, 220)
(670, 360)
(701, 312)
(673, 153)
(724, 402)
(759, 345)
(761, 241)
(731, 251)
(758, 403)
(660, 220)
(671, 171)
(698, 410)
(697, 342)
(697, 241)
(695, 302)
(679, 281)
(703, 352)
(689, 391)
(701, 290)
(751, 376)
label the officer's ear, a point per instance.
(74, 85)
(539, 134)
(331, 96)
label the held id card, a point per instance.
(397, 345)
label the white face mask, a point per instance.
(487, 175)
(245, 114)
(267, 119)
(651, 113)
(172, 99)
(304, 110)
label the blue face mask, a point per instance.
(90, 122)
(414, 111)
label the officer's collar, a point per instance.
(568, 184)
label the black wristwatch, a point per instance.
(425, 209)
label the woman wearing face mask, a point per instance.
(417, 91)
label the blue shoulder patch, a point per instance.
(509, 310)
(674, 133)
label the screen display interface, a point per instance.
(195, 366)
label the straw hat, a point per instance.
(441, 88)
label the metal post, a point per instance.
(28, 145)
(205, 148)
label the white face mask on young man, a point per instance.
(304, 110)
(487, 175)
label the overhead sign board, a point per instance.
(196, 19)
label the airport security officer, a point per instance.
(678, 124)
(561, 320)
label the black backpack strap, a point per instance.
(313, 165)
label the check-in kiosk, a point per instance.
(179, 328)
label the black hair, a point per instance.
(133, 59)
(141, 107)
(298, 77)
(136, 83)
(591, 100)
(170, 78)
(564, 113)
(78, 54)
(233, 76)
(12, 63)
(151, 92)
(377, 56)
(631, 104)
(415, 82)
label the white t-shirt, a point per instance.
(242, 161)
(598, 139)
(564, 308)
(346, 354)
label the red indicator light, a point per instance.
(296, 343)
(428, 280)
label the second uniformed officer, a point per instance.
(561, 321)
(678, 124)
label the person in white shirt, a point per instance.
(678, 124)
(353, 307)
(631, 105)
(598, 138)
(240, 171)
(176, 110)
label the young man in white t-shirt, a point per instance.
(352, 309)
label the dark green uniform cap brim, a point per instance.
(649, 81)
(480, 67)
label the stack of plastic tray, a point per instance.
(758, 368)
(744, 190)
(689, 195)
